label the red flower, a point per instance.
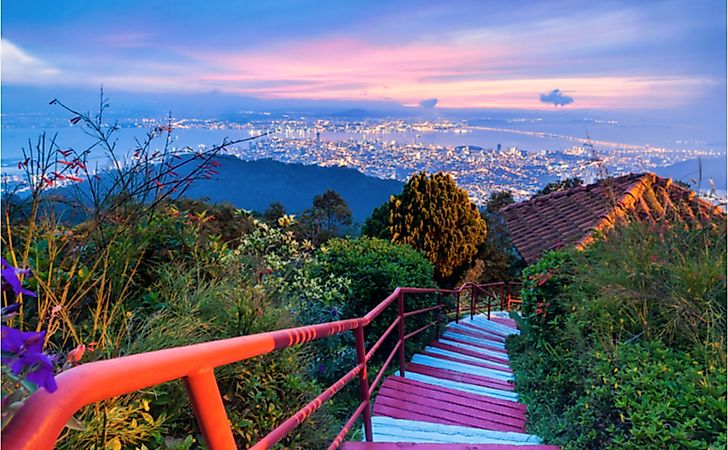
(75, 355)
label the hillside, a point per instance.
(254, 185)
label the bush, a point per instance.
(375, 268)
(623, 344)
(655, 397)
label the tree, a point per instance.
(328, 217)
(377, 225)
(435, 216)
(273, 212)
(497, 259)
(499, 200)
(560, 185)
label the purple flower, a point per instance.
(9, 311)
(10, 278)
(23, 353)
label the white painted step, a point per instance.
(460, 367)
(483, 322)
(460, 326)
(474, 340)
(444, 352)
(387, 429)
(472, 348)
(464, 387)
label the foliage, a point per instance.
(561, 185)
(541, 293)
(623, 344)
(221, 221)
(259, 393)
(328, 217)
(656, 398)
(497, 258)
(435, 216)
(375, 268)
(499, 200)
(377, 224)
(275, 211)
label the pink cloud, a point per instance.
(460, 73)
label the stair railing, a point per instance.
(38, 424)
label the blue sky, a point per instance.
(609, 55)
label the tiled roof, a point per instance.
(570, 217)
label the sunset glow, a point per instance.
(472, 56)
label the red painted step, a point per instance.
(423, 446)
(420, 402)
(467, 361)
(460, 377)
(475, 334)
(504, 321)
(483, 330)
(506, 407)
(483, 346)
(473, 353)
(404, 408)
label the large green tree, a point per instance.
(328, 217)
(500, 260)
(377, 225)
(436, 217)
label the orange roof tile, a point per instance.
(570, 217)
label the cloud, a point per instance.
(20, 67)
(557, 98)
(429, 103)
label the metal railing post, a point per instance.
(361, 358)
(502, 296)
(508, 296)
(400, 304)
(473, 300)
(489, 301)
(209, 410)
(438, 312)
(457, 308)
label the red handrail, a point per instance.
(40, 421)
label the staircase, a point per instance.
(455, 394)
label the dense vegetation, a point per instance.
(168, 281)
(141, 270)
(623, 345)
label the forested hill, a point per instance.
(253, 185)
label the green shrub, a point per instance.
(654, 397)
(375, 268)
(544, 308)
(623, 344)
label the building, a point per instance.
(571, 217)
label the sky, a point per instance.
(605, 55)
